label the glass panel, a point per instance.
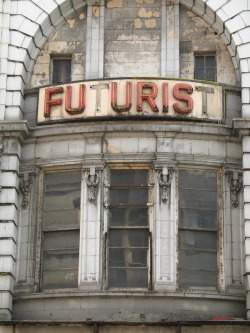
(198, 259)
(192, 279)
(198, 239)
(129, 176)
(60, 279)
(210, 74)
(61, 239)
(128, 217)
(199, 74)
(197, 199)
(128, 238)
(210, 61)
(128, 278)
(192, 218)
(199, 61)
(61, 71)
(132, 195)
(55, 181)
(62, 200)
(198, 179)
(60, 259)
(128, 257)
(61, 219)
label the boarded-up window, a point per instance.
(198, 229)
(61, 230)
(128, 234)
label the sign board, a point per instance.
(130, 97)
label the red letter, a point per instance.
(48, 102)
(182, 97)
(127, 106)
(149, 97)
(165, 97)
(68, 100)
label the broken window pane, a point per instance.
(128, 237)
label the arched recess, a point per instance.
(30, 28)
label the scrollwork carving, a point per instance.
(25, 186)
(235, 185)
(165, 177)
(92, 181)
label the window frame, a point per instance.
(220, 250)
(204, 55)
(64, 57)
(149, 206)
(38, 280)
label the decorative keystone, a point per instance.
(235, 184)
(165, 177)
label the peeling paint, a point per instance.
(156, 13)
(82, 16)
(146, 1)
(71, 23)
(137, 23)
(151, 23)
(96, 11)
(144, 13)
(115, 4)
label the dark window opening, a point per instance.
(61, 71)
(205, 67)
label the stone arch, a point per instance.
(30, 28)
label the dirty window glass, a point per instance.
(61, 70)
(128, 235)
(61, 208)
(205, 67)
(198, 229)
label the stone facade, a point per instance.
(108, 40)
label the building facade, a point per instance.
(124, 165)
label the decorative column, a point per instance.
(90, 270)
(95, 39)
(165, 237)
(170, 66)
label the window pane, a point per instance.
(197, 279)
(128, 238)
(56, 259)
(132, 195)
(128, 278)
(199, 74)
(198, 199)
(210, 61)
(129, 176)
(206, 219)
(128, 257)
(198, 239)
(62, 200)
(57, 279)
(197, 259)
(199, 61)
(198, 179)
(61, 219)
(61, 71)
(210, 74)
(61, 239)
(128, 217)
(55, 181)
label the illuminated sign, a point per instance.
(130, 97)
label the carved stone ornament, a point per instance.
(1, 153)
(235, 184)
(92, 181)
(165, 177)
(25, 186)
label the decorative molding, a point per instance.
(25, 186)
(165, 176)
(235, 185)
(92, 181)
